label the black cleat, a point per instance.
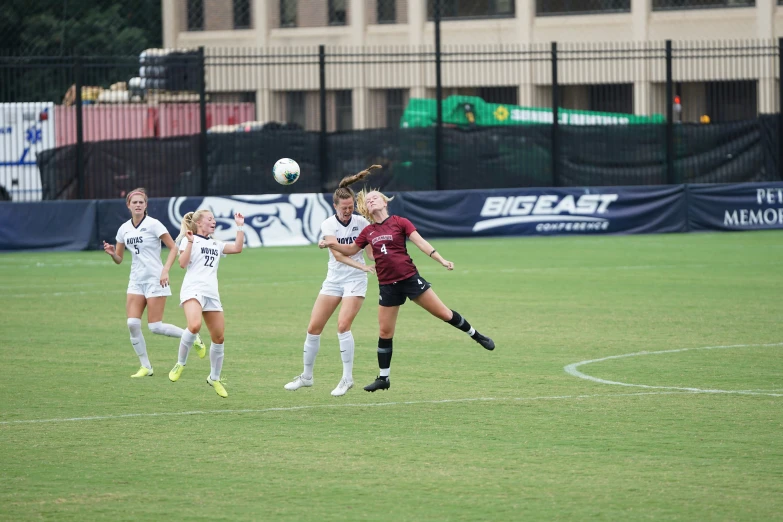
(484, 341)
(380, 383)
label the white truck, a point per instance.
(26, 129)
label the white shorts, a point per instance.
(149, 289)
(208, 304)
(354, 288)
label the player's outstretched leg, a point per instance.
(457, 321)
(305, 380)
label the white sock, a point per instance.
(215, 361)
(169, 330)
(138, 342)
(384, 372)
(185, 344)
(311, 346)
(346, 353)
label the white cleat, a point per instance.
(299, 382)
(342, 388)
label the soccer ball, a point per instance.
(286, 171)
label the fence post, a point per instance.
(323, 160)
(79, 81)
(671, 176)
(780, 107)
(203, 155)
(439, 100)
(555, 151)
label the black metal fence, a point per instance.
(215, 121)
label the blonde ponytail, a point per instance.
(187, 224)
(343, 189)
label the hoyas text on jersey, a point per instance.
(346, 240)
(210, 251)
(135, 240)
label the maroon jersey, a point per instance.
(392, 262)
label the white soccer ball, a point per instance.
(286, 171)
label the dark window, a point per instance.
(471, 8)
(287, 13)
(344, 110)
(395, 98)
(505, 95)
(664, 5)
(337, 12)
(241, 14)
(387, 11)
(195, 15)
(612, 97)
(569, 7)
(295, 108)
(732, 100)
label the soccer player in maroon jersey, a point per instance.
(398, 277)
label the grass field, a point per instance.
(463, 434)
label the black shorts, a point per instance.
(394, 294)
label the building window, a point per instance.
(195, 14)
(287, 13)
(337, 12)
(451, 9)
(242, 14)
(295, 108)
(666, 5)
(572, 7)
(395, 106)
(612, 97)
(387, 11)
(731, 100)
(344, 110)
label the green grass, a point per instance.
(463, 434)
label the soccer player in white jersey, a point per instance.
(199, 296)
(149, 277)
(346, 282)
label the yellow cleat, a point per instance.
(143, 372)
(200, 347)
(219, 389)
(175, 372)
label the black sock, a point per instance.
(384, 353)
(457, 321)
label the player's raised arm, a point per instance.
(239, 242)
(425, 247)
(346, 250)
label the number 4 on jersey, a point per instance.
(383, 249)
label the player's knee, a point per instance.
(315, 329)
(386, 333)
(343, 326)
(134, 326)
(194, 326)
(218, 338)
(156, 328)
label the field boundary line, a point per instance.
(332, 406)
(571, 369)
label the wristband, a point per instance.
(433, 251)
(240, 228)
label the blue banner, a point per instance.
(270, 220)
(745, 206)
(546, 211)
(50, 225)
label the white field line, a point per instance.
(335, 406)
(571, 369)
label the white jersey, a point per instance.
(346, 234)
(201, 277)
(143, 243)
